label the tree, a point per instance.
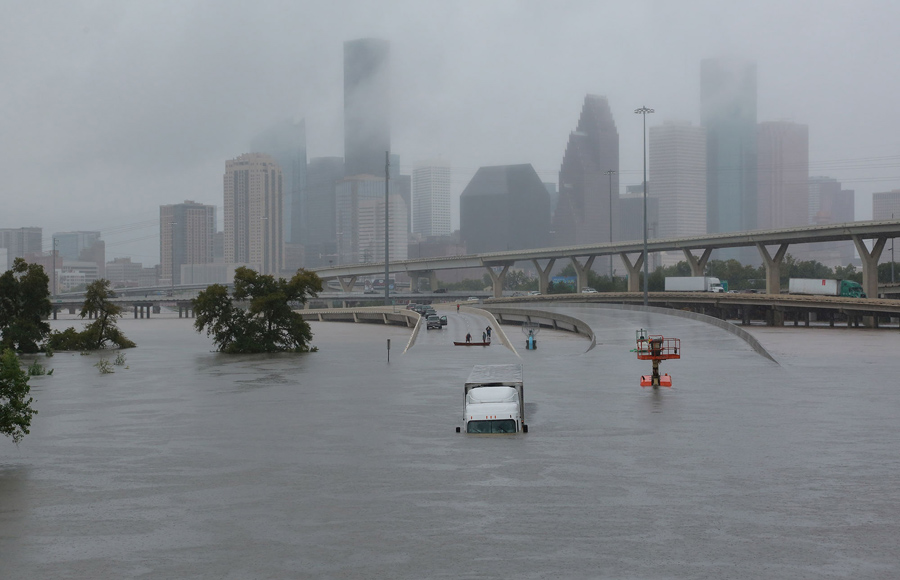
(24, 304)
(97, 305)
(269, 324)
(15, 404)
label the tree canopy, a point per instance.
(95, 336)
(15, 402)
(269, 323)
(24, 306)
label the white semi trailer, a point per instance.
(693, 284)
(494, 400)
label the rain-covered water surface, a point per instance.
(338, 464)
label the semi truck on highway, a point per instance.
(494, 400)
(825, 287)
(694, 284)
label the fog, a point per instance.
(112, 108)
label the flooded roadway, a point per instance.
(337, 464)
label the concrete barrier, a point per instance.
(555, 320)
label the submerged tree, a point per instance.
(95, 336)
(15, 402)
(269, 324)
(24, 304)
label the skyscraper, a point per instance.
(886, 205)
(431, 198)
(19, 242)
(783, 175)
(322, 177)
(678, 177)
(359, 218)
(829, 203)
(505, 207)
(186, 237)
(728, 112)
(286, 143)
(586, 199)
(367, 106)
(253, 206)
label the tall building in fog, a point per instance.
(19, 242)
(186, 237)
(286, 143)
(402, 185)
(359, 219)
(728, 113)
(253, 206)
(677, 160)
(586, 199)
(886, 205)
(431, 198)
(783, 175)
(367, 106)
(322, 177)
(505, 207)
(829, 203)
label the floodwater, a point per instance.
(338, 464)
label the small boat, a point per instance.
(472, 343)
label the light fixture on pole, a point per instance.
(643, 111)
(610, 173)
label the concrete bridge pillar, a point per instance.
(869, 264)
(698, 265)
(634, 271)
(498, 278)
(347, 282)
(581, 271)
(413, 281)
(543, 274)
(55, 311)
(773, 267)
(432, 280)
(135, 310)
(71, 310)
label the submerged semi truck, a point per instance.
(825, 287)
(494, 400)
(694, 284)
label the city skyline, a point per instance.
(447, 104)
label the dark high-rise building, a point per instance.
(728, 112)
(322, 176)
(783, 177)
(286, 143)
(585, 196)
(19, 242)
(367, 106)
(505, 207)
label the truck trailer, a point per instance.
(693, 284)
(825, 287)
(494, 400)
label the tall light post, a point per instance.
(610, 173)
(892, 256)
(643, 111)
(172, 255)
(387, 231)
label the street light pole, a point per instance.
(387, 268)
(172, 255)
(643, 111)
(610, 173)
(892, 256)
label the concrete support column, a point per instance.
(347, 283)
(870, 264)
(581, 271)
(634, 271)
(498, 279)
(772, 264)
(543, 274)
(698, 265)
(55, 311)
(432, 280)
(135, 311)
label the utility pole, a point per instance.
(610, 173)
(56, 245)
(387, 205)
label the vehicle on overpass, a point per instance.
(694, 284)
(494, 400)
(825, 287)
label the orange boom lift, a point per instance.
(655, 347)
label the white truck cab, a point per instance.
(494, 400)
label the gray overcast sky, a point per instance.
(112, 108)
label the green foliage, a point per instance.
(102, 330)
(104, 367)
(120, 359)
(15, 402)
(24, 306)
(36, 369)
(269, 324)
